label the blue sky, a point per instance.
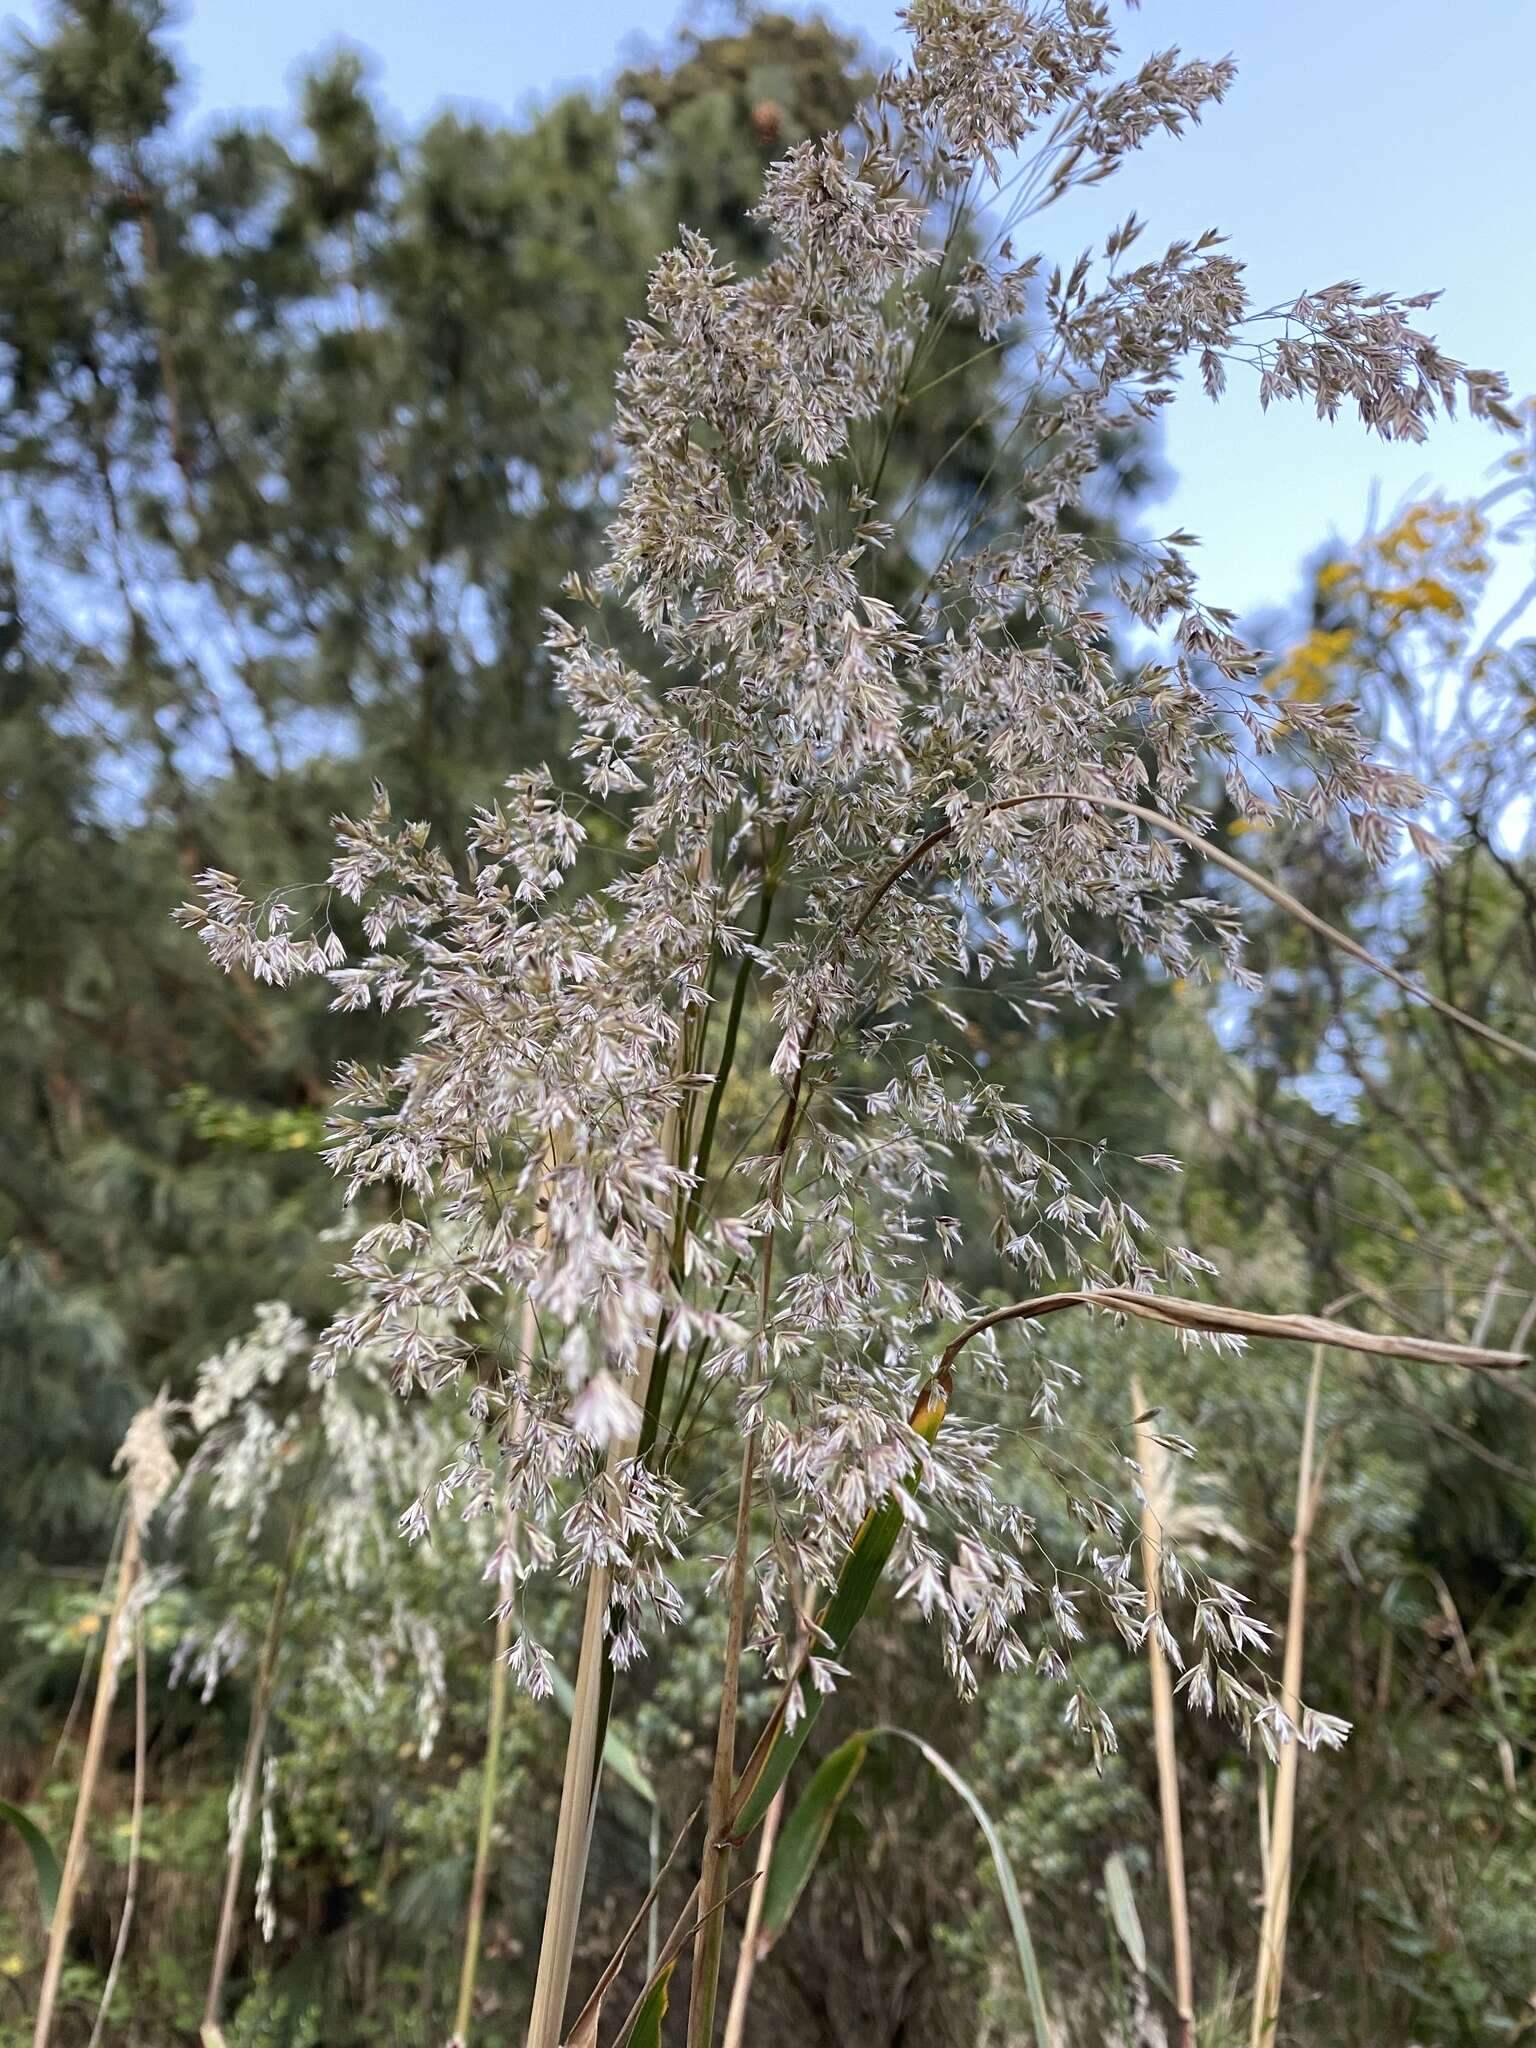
(1382, 139)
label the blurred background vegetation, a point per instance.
(300, 430)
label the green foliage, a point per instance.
(301, 429)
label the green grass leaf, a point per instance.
(1122, 1909)
(1045, 2033)
(646, 2032)
(806, 1830)
(804, 1836)
(44, 1862)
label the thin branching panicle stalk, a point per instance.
(496, 1711)
(244, 1807)
(753, 1946)
(715, 1870)
(1281, 898)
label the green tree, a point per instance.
(299, 429)
(293, 428)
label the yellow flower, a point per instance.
(1304, 673)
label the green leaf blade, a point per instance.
(44, 1863)
(646, 2032)
(805, 1836)
(1122, 1908)
(1045, 2033)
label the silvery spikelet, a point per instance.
(858, 805)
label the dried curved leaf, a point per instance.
(1215, 1319)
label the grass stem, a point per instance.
(90, 1770)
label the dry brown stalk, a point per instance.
(1216, 1319)
(90, 1770)
(1263, 1791)
(573, 1829)
(135, 1825)
(1157, 1500)
(1277, 1894)
(747, 1956)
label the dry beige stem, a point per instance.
(1157, 1502)
(90, 1768)
(747, 1955)
(146, 1459)
(1277, 1895)
(135, 1826)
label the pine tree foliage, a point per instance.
(296, 428)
